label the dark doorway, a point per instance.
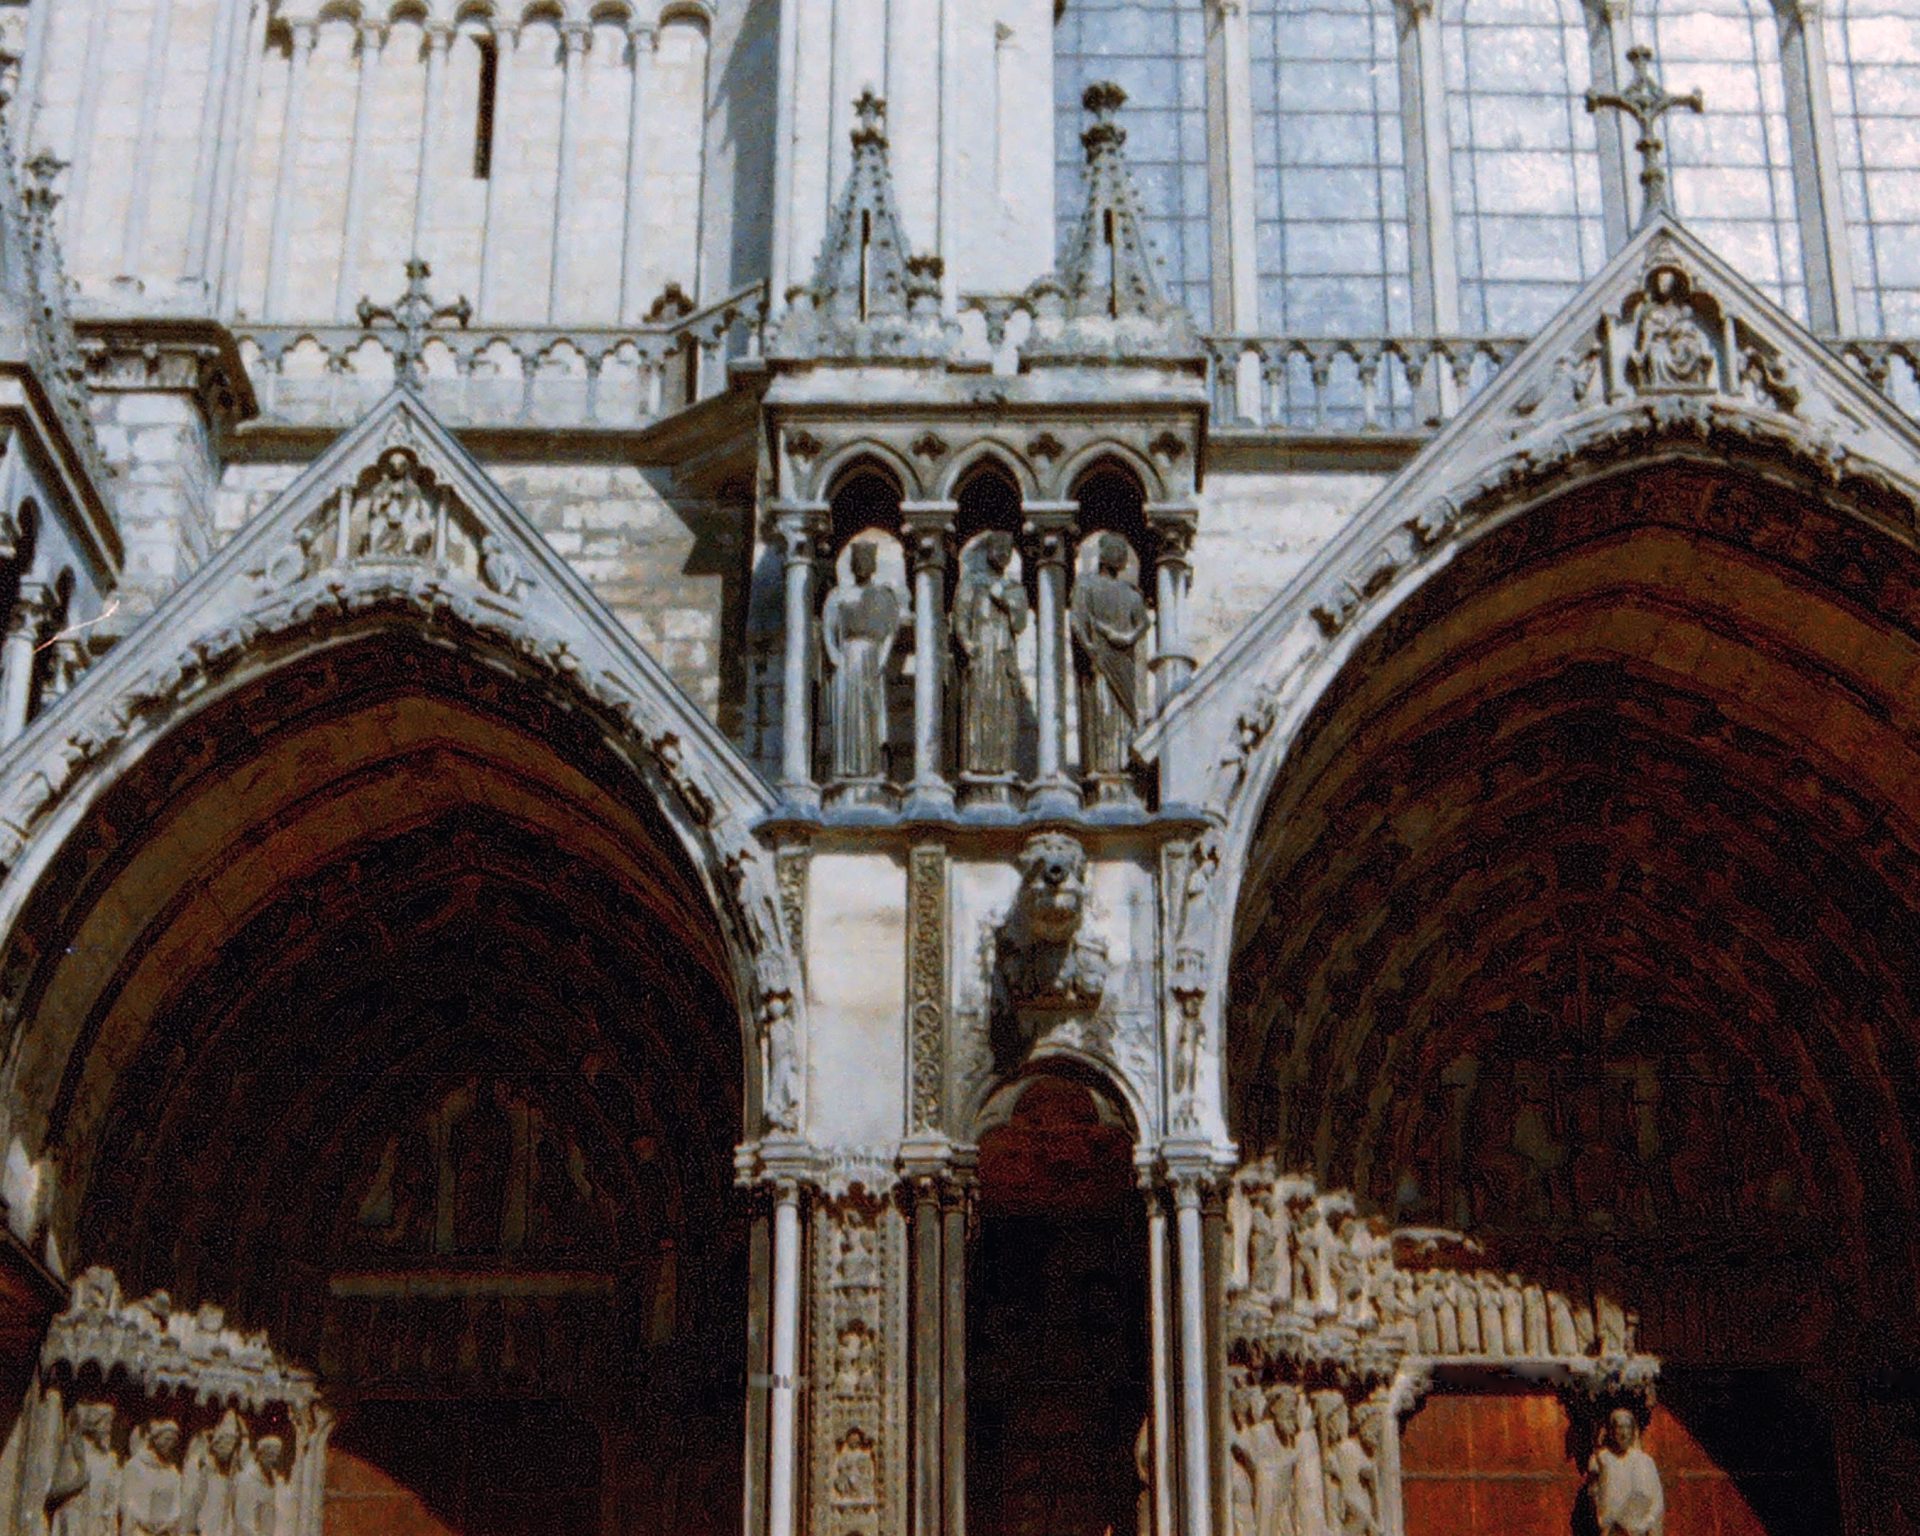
(1057, 1381)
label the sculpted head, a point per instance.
(1053, 885)
(1113, 554)
(94, 1422)
(863, 560)
(225, 1440)
(997, 550)
(163, 1435)
(271, 1452)
(1623, 1430)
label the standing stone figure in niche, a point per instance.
(1624, 1482)
(989, 612)
(858, 627)
(84, 1497)
(1109, 622)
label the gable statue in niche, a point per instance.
(1046, 967)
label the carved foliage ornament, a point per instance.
(927, 984)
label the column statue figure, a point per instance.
(1109, 620)
(1624, 1483)
(150, 1487)
(989, 612)
(858, 628)
(84, 1498)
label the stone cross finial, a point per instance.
(1646, 102)
(413, 315)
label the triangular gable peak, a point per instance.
(1667, 342)
(395, 513)
(870, 297)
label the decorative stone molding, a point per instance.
(164, 354)
(859, 1399)
(164, 1352)
(398, 526)
(927, 943)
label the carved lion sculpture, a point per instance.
(1044, 964)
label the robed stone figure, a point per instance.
(1624, 1483)
(989, 612)
(858, 628)
(1109, 621)
(151, 1492)
(84, 1497)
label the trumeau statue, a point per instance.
(1109, 622)
(84, 1498)
(151, 1490)
(1624, 1483)
(989, 612)
(858, 627)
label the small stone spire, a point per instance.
(870, 296)
(1108, 299)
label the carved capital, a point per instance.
(576, 37)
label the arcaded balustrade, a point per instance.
(577, 377)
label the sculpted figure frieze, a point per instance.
(152, 1489)
(84, 1497)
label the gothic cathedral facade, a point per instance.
(885, 767)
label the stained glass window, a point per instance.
(1526, 168)
(1156, 50)
(1873, 49)
(1330, 191)
(1732, 167)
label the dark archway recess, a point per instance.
(425, 1060)
(1581, 918)
(1057, 1366)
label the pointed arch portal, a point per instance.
(1580, 918)
(379, 1004)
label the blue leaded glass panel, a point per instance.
(1873, 50)
(1330, 191)
(1732, 166)
(1526, 168)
